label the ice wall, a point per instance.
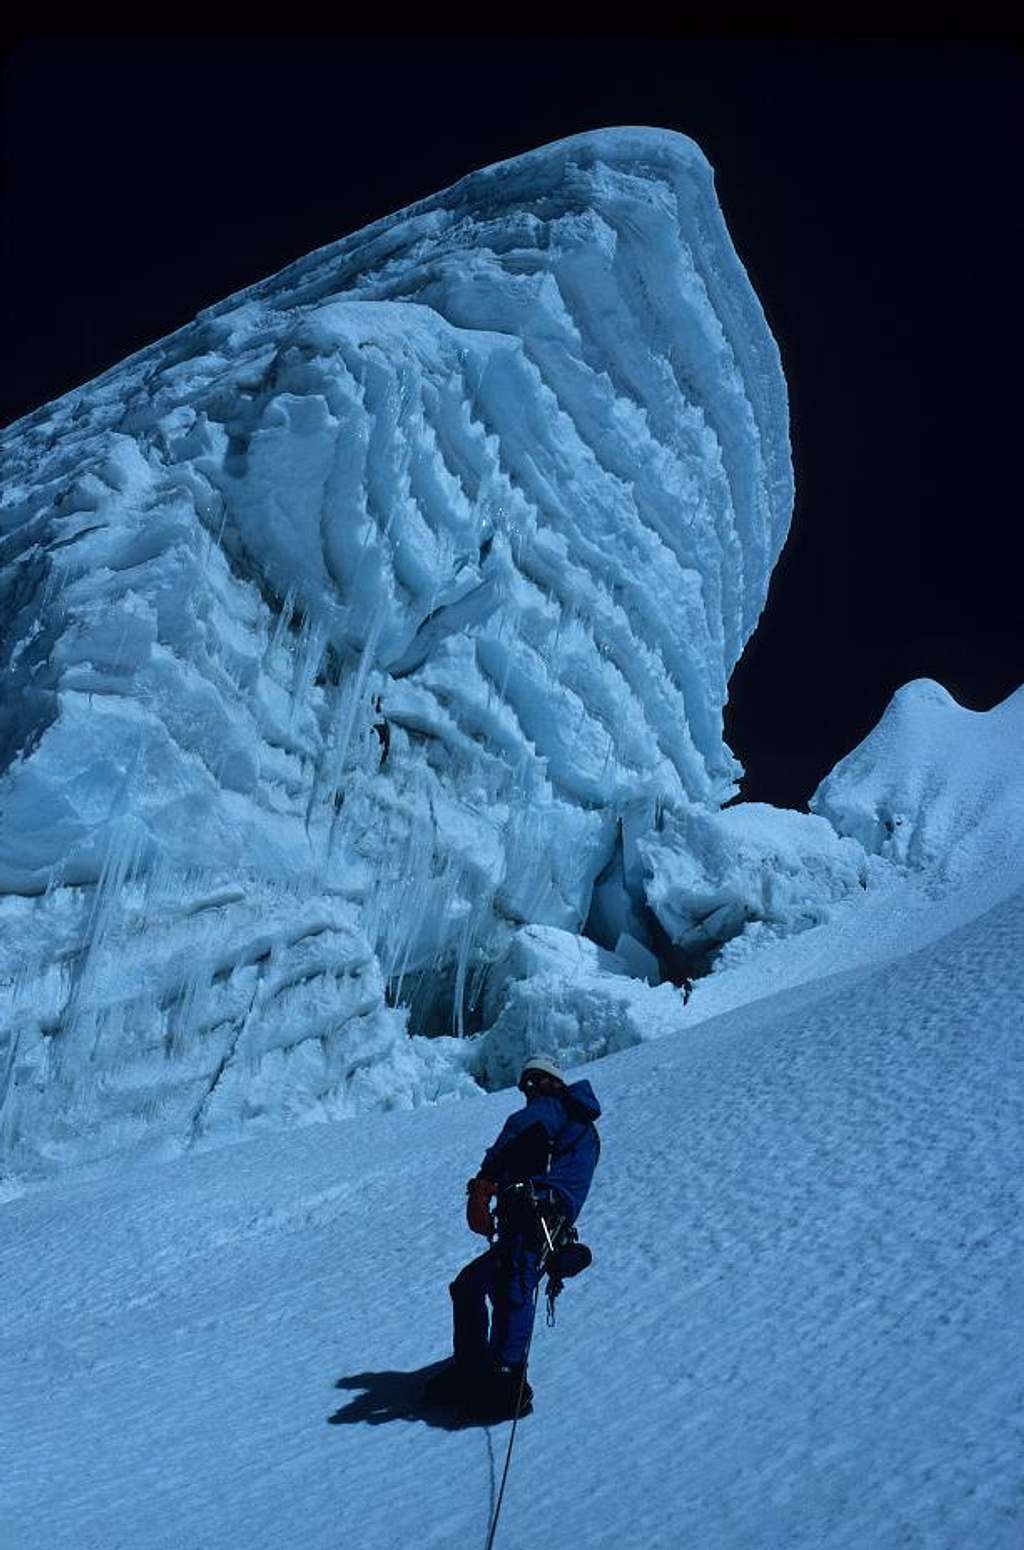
(360, 624)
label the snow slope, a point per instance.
(350, 629)
(801, 1329)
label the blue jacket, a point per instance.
(556, 1128)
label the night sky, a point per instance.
(871, 189)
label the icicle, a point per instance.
(308, 660)
(82, 1016)
(281, 624)
(353, 708)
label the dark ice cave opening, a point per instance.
(438, 1006)
(618, 906)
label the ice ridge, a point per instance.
(361, 623)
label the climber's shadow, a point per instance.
(394, 1396)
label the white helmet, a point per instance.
(543, 1065)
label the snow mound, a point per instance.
(933, 802)
(930, 804)
(934, 785)
(343, 626)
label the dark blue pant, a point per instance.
(506, 1276)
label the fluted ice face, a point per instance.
(371, 602)
(579, 448)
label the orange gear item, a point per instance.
(478, 1205)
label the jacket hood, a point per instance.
(581, 1101)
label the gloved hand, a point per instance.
(478, 1205)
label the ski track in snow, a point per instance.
(797, 1331)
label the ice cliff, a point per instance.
(382, 614)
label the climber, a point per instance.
(540, 1169)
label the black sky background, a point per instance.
(871, 189)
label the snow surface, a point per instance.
(801, 1329)
(369, 619)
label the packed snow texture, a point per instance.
(349, 630)
(801, 1330)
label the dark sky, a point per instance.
(871, 188)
